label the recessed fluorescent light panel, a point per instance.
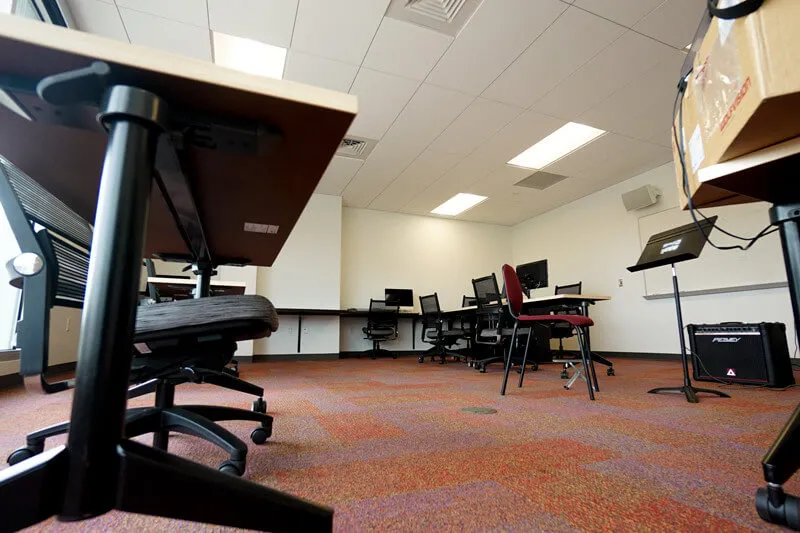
(249, 56)
(458, 204)
(561, 142)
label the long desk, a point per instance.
(546, 303)
(182, 288)
(229, 152)
(345, 313)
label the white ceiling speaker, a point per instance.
(640, 198)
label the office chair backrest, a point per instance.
(468, 301)
(513, 290)
(431, 312)
(382, 315)
(574, 288)
(59, 239)
(487, 293)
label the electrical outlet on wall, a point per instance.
(66, 325)
(620, 282)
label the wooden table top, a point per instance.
(231, 189)
(769, 174)
(178, 287)
(545, 301)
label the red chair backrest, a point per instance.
(513, 290)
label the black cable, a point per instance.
(677, 108)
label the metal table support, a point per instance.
(98, 470)
(782, 461)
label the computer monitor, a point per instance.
(532, 275)
(399, 297)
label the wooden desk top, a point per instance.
(182, 288)
(356, 313)
(271, 187)
(769, 174)
(545, 301)
(191, 282)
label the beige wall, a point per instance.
(594, 239)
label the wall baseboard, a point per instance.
(641, 355)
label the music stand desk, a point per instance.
(253, 152)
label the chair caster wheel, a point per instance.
(373, 357)
(482, 369)
(610, 371)
(519, 370)
(535, 367)
(421, 359)
(394, 356)
(259, 405)
(564, 375)
(261, 434)
(234, 468)
(566, 387)
(19, 455)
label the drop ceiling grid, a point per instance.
(330, 46)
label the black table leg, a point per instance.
(299, 332)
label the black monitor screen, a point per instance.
(399, 297)
(533, 275)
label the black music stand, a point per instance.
(667, 248)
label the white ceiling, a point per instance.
(448, 113)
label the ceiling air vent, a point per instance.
(356, 147)
(444, 16)
(540, 180)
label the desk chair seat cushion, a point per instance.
(505, 332)
(240, 317)
(574, 320)
(451, 333)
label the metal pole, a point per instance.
(105, 349)
(684, 358)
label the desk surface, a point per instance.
(176, 287)
(769, 174)
(270, 187)
(544, 301)
(338, 312)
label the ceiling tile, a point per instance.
(662, 138)
(268, 21)
(384, 164)
(625, 12)
(497, 33)
(319, 71)
(625, 59)
(405, 49)
(98, 17)
(329, 29)
(426, 115)
(642, 108)
(571, 41)
(611, 157)
(192, 12)
(164, 34)
(674, 22)
(482, 119)
(338, 174)
(423, 171)
(380, 98)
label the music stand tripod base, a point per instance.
(667, 248)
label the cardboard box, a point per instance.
(744, 92)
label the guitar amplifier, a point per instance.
(754, 354)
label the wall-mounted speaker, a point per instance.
(640, 198)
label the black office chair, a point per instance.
(491, 322)
(434, 331)
(381, 326)
(175, 342)
(467, 324)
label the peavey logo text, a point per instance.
(726, 339)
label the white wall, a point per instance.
(426, 254)
(307, 274)
(594, 239)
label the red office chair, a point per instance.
(579, 322)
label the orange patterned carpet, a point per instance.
(387, 445)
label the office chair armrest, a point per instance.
(15, 279)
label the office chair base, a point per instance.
(689, 391)
(147, 482)
(375, 352)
